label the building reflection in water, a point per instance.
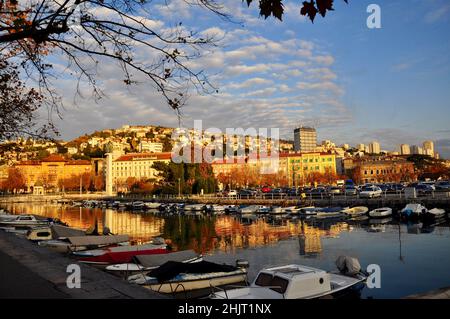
(201, 233)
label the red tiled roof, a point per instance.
(132, 156)
(78, 162)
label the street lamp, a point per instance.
(179, 187)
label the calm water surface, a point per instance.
(414, 258)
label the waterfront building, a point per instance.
(49, 171)
(379, 169)
(305, 139)
(136, 165)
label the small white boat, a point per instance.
(152, 205)
(138, 205)
(252, 209)
(217, 208)
(24, 221)
(195, 207)
(291, 210)
(293, 282)
(265, 210)
(435, 213)
(309, 211)
(381, 212)
(355, 211)
(232, 209)
(38, 234)
(276, 210)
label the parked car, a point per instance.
(350, 190)
(266, 189)
(232, 193)
(443, 186)
(335, 190)
(423, 189)
(246, 193)
(318, 192)
(370, 192)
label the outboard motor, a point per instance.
(348, 266)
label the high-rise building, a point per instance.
(405, 149)
(374, 148)
(428, 148)
(361, 147)
(305, 139)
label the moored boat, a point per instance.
(381, 212)
(119, 254)
(413, 211)
(173, 277)
(297, 282)
(25, 221)
(435, 213)
(355, 211)
(39, 233)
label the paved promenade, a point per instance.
(30, 271)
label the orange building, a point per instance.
(49, 171)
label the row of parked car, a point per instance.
(367, 190)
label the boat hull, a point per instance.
(189, 285)
(122, 257)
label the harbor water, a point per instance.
(413, 257)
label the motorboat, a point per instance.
(381, 212)
(151, 205)
(143, 264)
(296, 282)
(173, 277)
(413, 210)
(355, 211)
(81, 243)
(137, 205)
(24, 221)
(435, 213)
(39, 233)
(119, 254)
(276, 210)
(252, 209)
(330, 212)
(232, 209)
(291, 210)
(194, 207)
(266, 210)
(310, 211)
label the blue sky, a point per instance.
(354, 84)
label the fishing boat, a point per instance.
(381, 212)
(119, 254)
(80, 243)
(143, 264)
(173, 277)
(297, 282)
(413, 210)
(355, 211)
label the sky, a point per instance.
(354, 84)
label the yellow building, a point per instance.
(137, 165)
(52, 169)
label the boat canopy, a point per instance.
(157, 260)
(59, 231)
(172, 269)
(97, 240)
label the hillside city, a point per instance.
(141, 161)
